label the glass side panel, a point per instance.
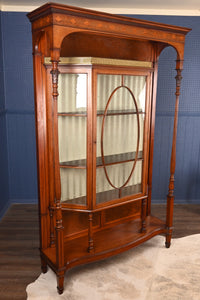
(72, 137)
(120, 132)
(73, 186)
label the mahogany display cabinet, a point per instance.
(95, 77)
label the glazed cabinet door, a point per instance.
(73, 137)
(122, 130)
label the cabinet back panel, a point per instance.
(121, 212)
(83, 44)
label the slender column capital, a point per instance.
(178, 81)
(55, 72)
(179, 64)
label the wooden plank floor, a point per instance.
(19, 259)
(19, 242)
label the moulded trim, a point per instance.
(115, 10)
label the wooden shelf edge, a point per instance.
(101, 113)
(109, 160)
(155, 227)
(142, 237)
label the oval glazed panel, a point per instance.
(120, 122)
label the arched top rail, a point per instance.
(68, 19)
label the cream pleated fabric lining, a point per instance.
(119, 134)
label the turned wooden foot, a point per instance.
(168, 240)
(43, 265)
(60, 282)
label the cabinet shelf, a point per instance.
(100, 113)
(106, 196)
(73, 114)
(76, 250)
(109, 160)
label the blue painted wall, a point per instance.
(4, 178)
(19, 107)
(18, 152)
(187, 176)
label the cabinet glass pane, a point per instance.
(120, 131)
(72, 90)
(105, 192)
(72, 137)
(73, 186)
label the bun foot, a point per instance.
(168, 239)
(167, 244)
(43, 265)
(60, 290)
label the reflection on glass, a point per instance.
(137, 84)
(142, 97)
(72, 89)
(81, 91)
(72, 137)
(120, 130)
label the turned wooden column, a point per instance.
(52, 230)
(59, 248)
(90, 234)
(59, 226)
(55, 72)
(170, 196)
